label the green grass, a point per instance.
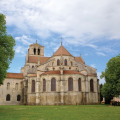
(78, 112)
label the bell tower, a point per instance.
(36, 49)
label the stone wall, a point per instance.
(13, 92)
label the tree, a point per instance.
(112, 78)
(6, 49)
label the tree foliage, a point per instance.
(6, 48)
(112, 78)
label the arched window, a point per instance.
(16, 86)
(34, 51)
(53, 84)
(8, 86)
(79, 84)
(18, 98)
(70, 84)
(38, 51)
(65, 62)
(71, 63)
(91, 86)
(58, 62)
(44, 85)
(33, 85)
(32, 66)
(8, 97)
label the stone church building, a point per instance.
(56, 80)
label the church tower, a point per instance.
(36, 49)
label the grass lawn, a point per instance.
(78, 112)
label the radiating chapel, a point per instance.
(61, 79)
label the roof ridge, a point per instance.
(62, 51)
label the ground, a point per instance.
(77, 112)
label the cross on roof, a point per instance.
(61, 40)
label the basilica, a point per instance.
(61, 79)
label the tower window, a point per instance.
(34, 51)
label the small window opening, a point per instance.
(34, 51)
(38, 51)
(8, 97)
(16, 86)
(8, 86)
(18, 98)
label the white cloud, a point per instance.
(24, 40)
(100, 80)
(20, 50)
(93, 65)
(100, 53)
(79, 19)
(80, 22)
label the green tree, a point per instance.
(6, 48)
(111, 88)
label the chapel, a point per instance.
(61, 79)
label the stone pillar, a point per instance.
(29, 91)
(37, 91)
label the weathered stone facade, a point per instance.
(59, 79)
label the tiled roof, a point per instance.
(71, 72)
(32, 75)
(79, 60)
(90, 75)
(34, 59)
(35, 44)
(64, 72)
(51, 72)
(15, 75)
(61, 51)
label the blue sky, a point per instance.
(89, 27)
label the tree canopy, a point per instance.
(112, 78)
(7, 52)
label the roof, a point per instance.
(61, 51)
(36, 44)
(34, 59)
(15, 75)
(32, 75)
(79, 59)
(64, 72)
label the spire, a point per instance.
(36, 41)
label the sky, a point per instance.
(88, 27)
